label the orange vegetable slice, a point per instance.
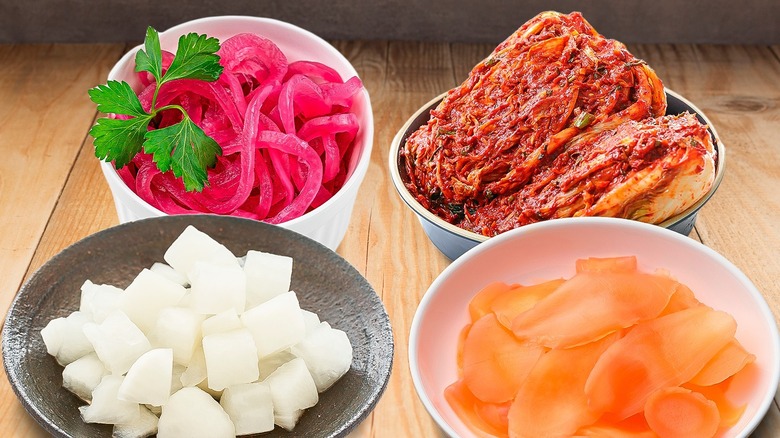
(484, 419)
(495, 363)
(508, 305)
(479, 305)
(607, 264)
(632, 427)
(592, 305)
(726, 362)
(675, 412)
(682, 298)
(461, 342)
(730, 412)
(552, 401)
(666, 351)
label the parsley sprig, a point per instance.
(182, 147)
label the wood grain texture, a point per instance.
(52, 192)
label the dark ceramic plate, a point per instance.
(325, 283)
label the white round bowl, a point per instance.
(326, 224)
(548, 250)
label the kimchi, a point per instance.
(557, 121)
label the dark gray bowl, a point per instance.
(453, 241)
(325, 283)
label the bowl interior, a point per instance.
(325, 284)
(681, 223)
(548, 250)
(297, 44)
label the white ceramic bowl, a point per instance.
(327, 223)
(548, 250)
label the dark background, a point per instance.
(488, 21)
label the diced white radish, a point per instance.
(53, 335)
(149, 379)
(216, 288)
(149, 293)
(193, 245)
(168, 272)
(327, 353)
(292, 389)
(224, 321)
(276, 324)
(177, 328)
(192, 413)
(106, 408)
(231, 358)
(145, 426)
(267, 275)
(287, 420)
(64, 338)
(269, 364)
(98, 300)
(117, 341)
(83, 375)
(311, 320)
(250, 407)
(196, 368)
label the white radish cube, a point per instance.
(327, 353)
(250, 407)
(276, 324)
(311, 320)
(267, 275)
(196, 368)
(287, 420)
(117, 341)
(292, 389)
(149, 293)
(53, 335)
(83, 375)
(224, 321)
(177, 328)
(149, 379)
(269, 364)
(231, 358)
(216, 288)
(144, 426)
(64, 338)
(98, 300)
(106, 408)
(192, 413)
(193, 245)
(168, 272)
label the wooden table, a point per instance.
(52, 192)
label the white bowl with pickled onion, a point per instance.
(326, 221)
(548, 250)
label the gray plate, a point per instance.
(325, 283)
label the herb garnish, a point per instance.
(182, 147)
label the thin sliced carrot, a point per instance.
(607, 264)
(552, 401)
(495, 363)
(675, 412)
(632, 427)
(726, 362)
(666, 351)
(592, 305)
(508, 305)
(468, 408)
(730, 413)
(682, 298)
(479, 306)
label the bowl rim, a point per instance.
(424, 213)
(615, 224)
(366, 129)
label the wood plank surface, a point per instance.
(44, 125)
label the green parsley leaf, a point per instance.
(182, 147)
(151, 59)
(186, 149)
(196, 58)
(119, 140)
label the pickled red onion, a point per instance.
(286, 132)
